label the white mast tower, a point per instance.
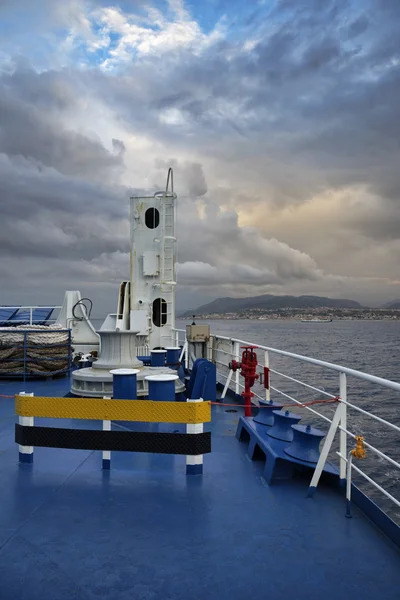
(152, 268)
(145, 317)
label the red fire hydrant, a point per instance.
(248, 367)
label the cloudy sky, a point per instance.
(281, 119)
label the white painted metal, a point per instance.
(122, 315)
(228, 380)
(162, 377)
(119, 349)
(326, 447)
(184, 350)
(348, 475)
(343, 422)
(236, 353)
(124, 371)
(194, 428)
(186, 353)
(27, 422)
(106, 427)
(153, 265)
(84, 337)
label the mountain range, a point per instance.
(395, 304)
(270, 302)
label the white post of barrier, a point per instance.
(26, 452)
(343, 423)
(106, 454)
(194, 463)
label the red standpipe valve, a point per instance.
(248, 367)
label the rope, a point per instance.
(4, 396)
(302, 405)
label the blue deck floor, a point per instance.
(146, 531)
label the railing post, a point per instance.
(194, 463)
(343, 424)
(236, 352)
(186, 348)
(267, 387)
(176, 337)
(210, 348)
(26, 452)
(30, 316)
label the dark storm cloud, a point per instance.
(32, 126)
(118, 146)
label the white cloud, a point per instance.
(140, 37)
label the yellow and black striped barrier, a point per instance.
(193, 413)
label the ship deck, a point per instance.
(146, 530)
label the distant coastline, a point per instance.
(291, 314)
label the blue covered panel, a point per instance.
(39, 316)
(6, 313)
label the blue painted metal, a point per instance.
(68, 532)
(162, 387)
(158, 358)
(146, 360)
(194, 469)
(305, 444)
(193, 374)
(278, 464)
(173, 354)
(67, 528)
(124, 384)
(25, 458)
(282, 427)
(39, 316)
(203, 381)
(265, 414)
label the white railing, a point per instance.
(221, 350)
(30, 309)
